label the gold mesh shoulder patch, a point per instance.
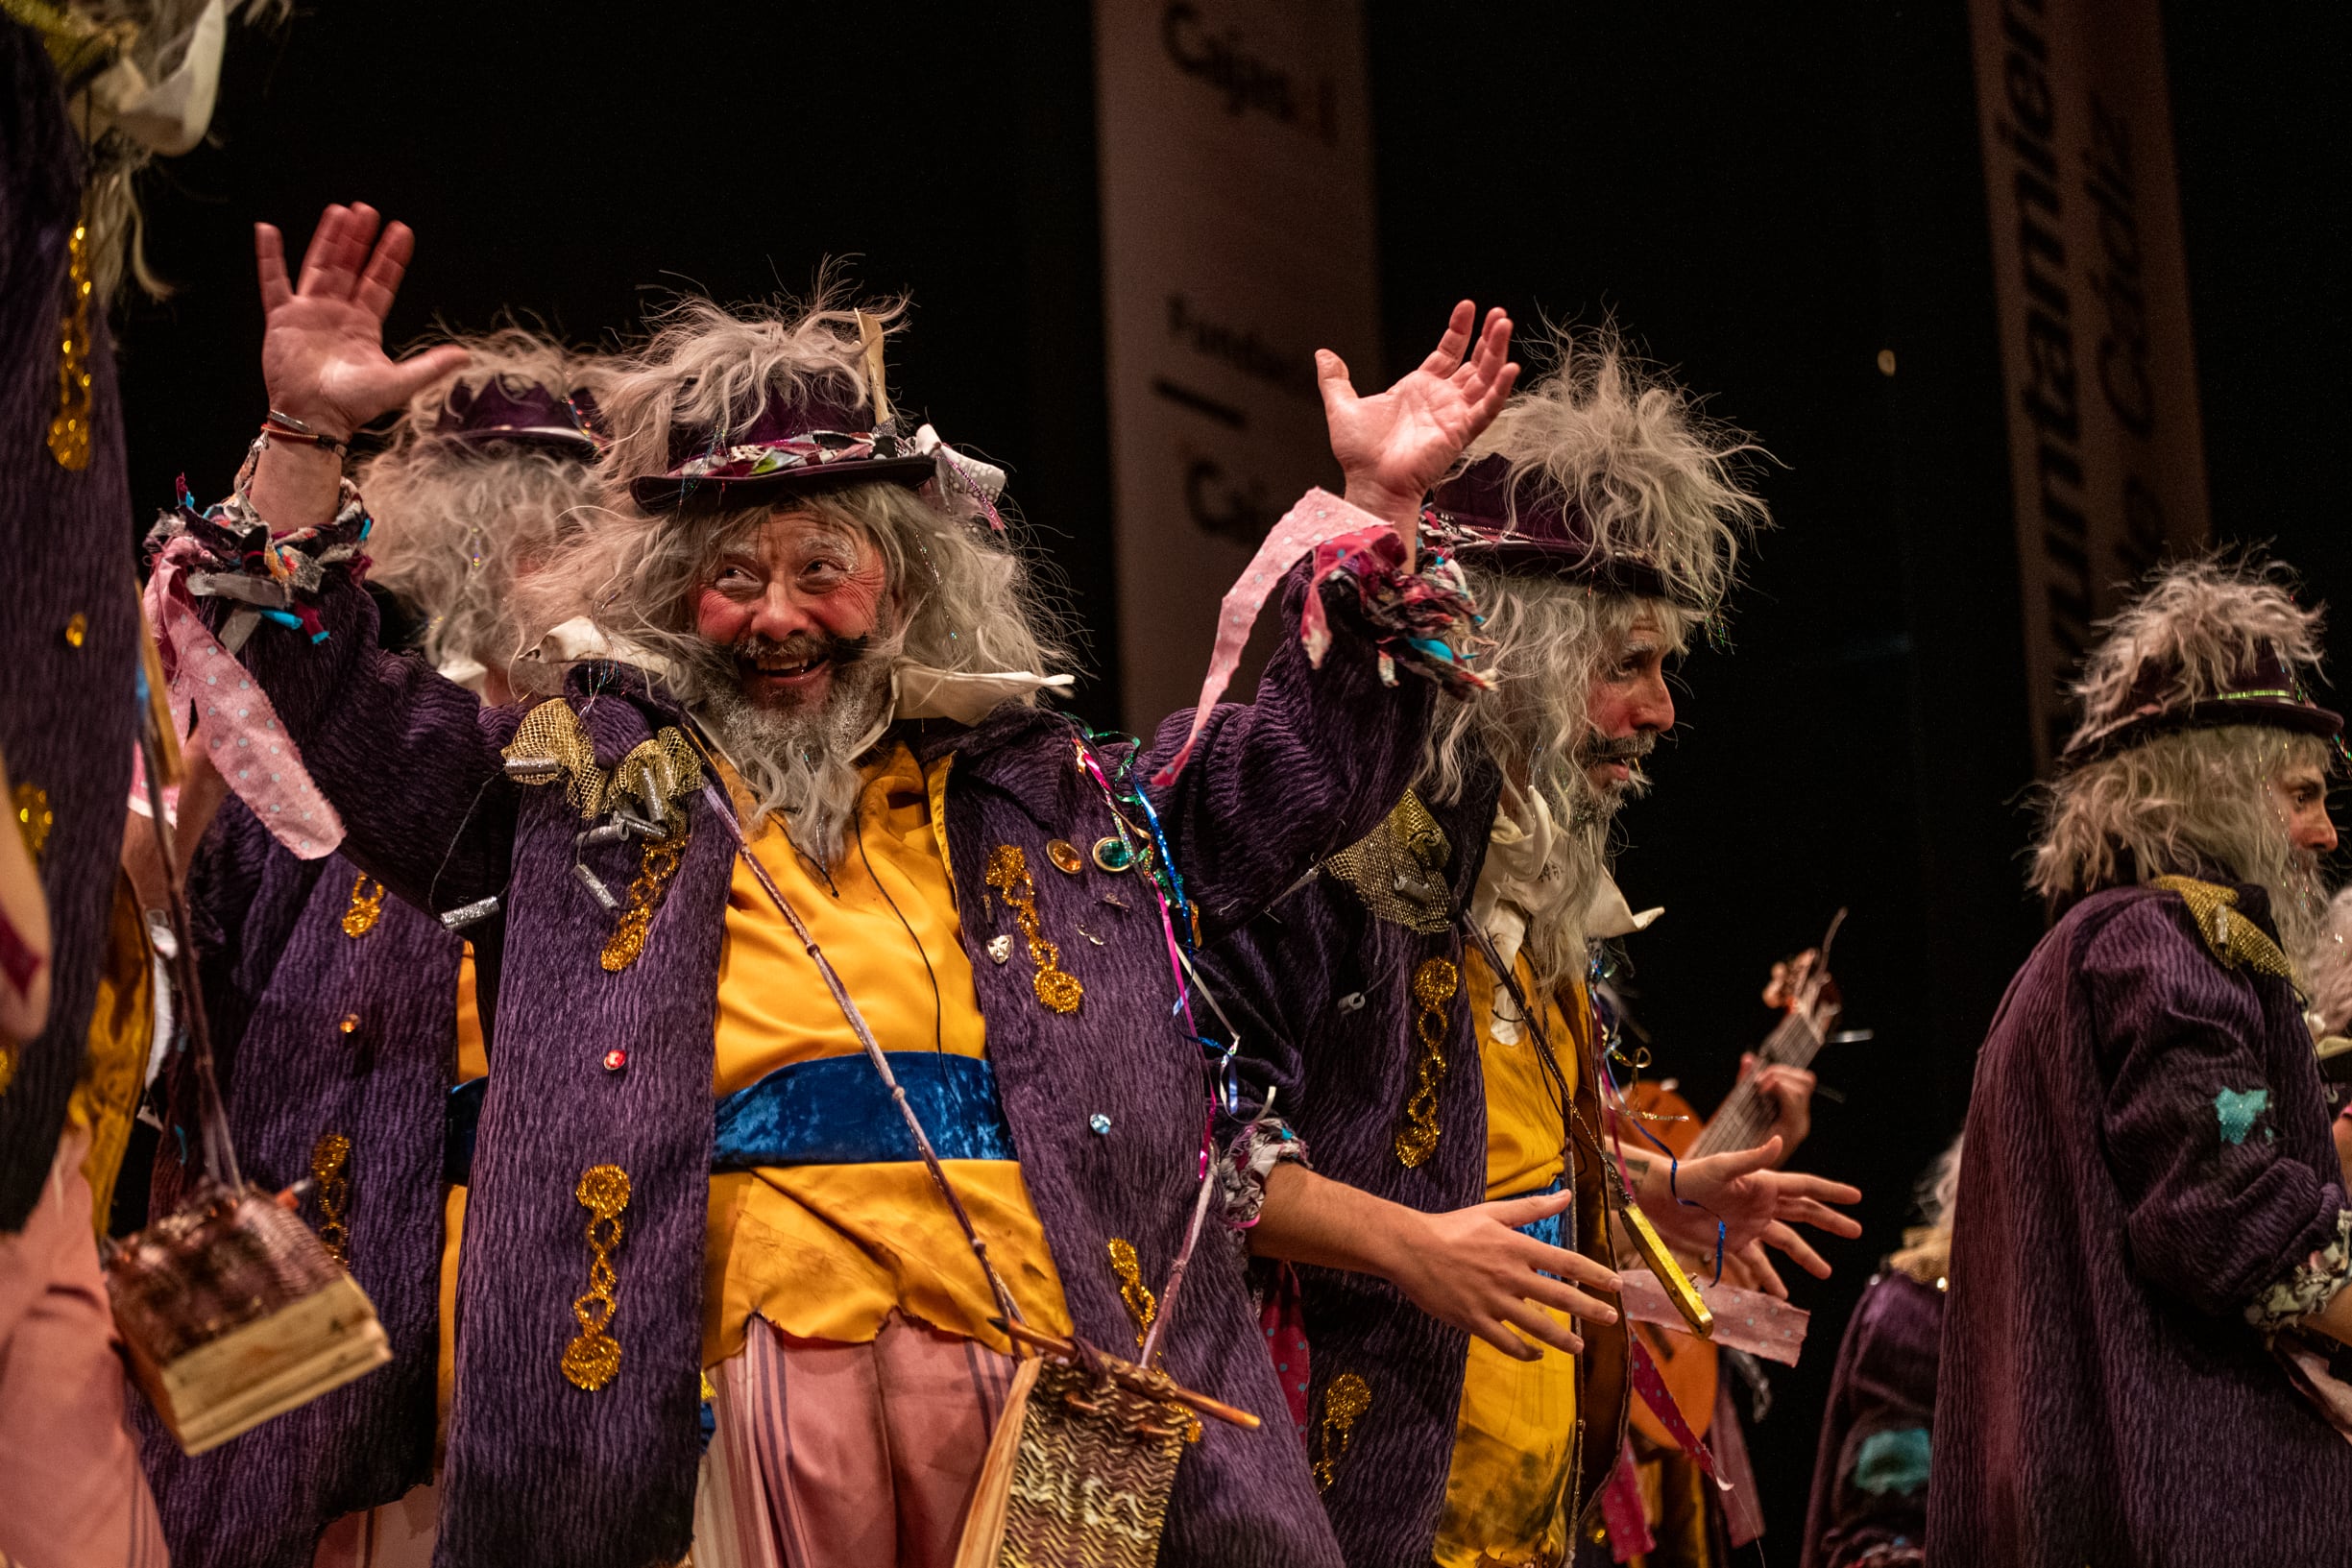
(1398, 869)
(2229, 936)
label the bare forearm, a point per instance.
(297, 485)
(1311, 1219)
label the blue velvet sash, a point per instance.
(831, 1111)
(835, 1111)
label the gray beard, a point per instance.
(801, 763)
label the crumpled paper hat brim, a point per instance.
(669, 493)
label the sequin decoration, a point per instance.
(69, 432)
(1008, 874)
(365, 907)
(34, 818)
(2229, 935)
(655, 867)
(77, 629)
(1141, 1304)
(1114, 854)
(7, 1065)
(1345, 1401)
(330, 1159)
(1398, 869)
(1433, 985)
(1065, 857)
(592, 1358)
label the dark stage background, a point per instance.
(1765, 197)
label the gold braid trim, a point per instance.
(365, 907)
(330, 1159)
(592, 1358)
(1141, 1304)
(2229, 936)
(1345, 1398)
(655, 865)
(1433, 985)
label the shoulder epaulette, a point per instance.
(2229, 936)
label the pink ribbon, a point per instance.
(1621, 1511)
(1320, 518)
(240, 730)
(1748, 1320)
(1653, 1391)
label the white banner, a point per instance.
(2106, 451)
(1237, 237)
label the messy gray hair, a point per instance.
(2195, 800)
(959, 597)
(457, 526)
(1656, 481)
(2189, 803)
(2197, 626)
(1658, 484)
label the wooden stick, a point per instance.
(1155, 1385)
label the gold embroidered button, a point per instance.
(1065, 857)
(77, 629)
(351, 1022)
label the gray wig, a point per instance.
(459, 526)
(960, 597)
(2188, 801)
(1658, 484)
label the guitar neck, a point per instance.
(1745, 1118)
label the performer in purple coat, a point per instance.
(88, 94)
(1869, 1507)
(346, 1021)
(2139, 1346)
(813, 625)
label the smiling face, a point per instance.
(794, 601)
(1628, 707)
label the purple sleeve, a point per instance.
(410, 760)
(1870, 1494)
(1301, 772)
(2217, 1210)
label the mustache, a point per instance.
(809, 648)
(1625, 748)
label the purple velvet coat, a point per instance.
(2103, 1399)
(540, 1471)
(281, 978)
(1321, 989)
(66, 705)
(1870, 1494)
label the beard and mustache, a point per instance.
(798, 758)
(1597, 803)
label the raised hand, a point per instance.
(1395, 446)
(1757, 1206)
(323, 336)
(1476, 1270)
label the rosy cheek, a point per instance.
(720, 618)
(849, 610)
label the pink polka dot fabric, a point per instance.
(1318, 517)
(240, 728)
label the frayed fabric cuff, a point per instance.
(1246, 1162)
(227, 551)
(2310, 1287)
(1424, 621)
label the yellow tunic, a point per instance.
(1507, 1493)
(828, 1251)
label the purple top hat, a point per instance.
(792, 448)
(2267, 693)
(501, 409)
(1470, 516)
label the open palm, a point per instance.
(1395, 445)
(323, 336)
